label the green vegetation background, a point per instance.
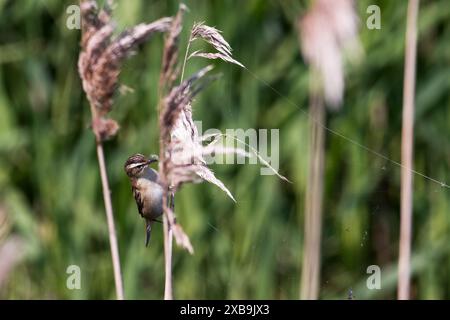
(51, 192)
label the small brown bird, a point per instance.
(147, 192)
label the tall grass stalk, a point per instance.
(404, 262)
(168, 240)
(114, 248)
(181, 150)
(327, 31)
(309, 289)
(99, 66)
(110, 220)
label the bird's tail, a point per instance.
(148, 231)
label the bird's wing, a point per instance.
(139, 200)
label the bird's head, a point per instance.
(136, 164)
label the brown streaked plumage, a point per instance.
(146, 189)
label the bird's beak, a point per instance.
(152, 159)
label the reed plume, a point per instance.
(99, 66)
(214, 37)
(325, 32)
(181, 149)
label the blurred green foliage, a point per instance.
(50, 186)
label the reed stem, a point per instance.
(404, 261)
(110, 220)
(310, 279)
(168, 240)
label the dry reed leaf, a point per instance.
(182, 239)
(213, 56)
(180, 236)
(206, 174)
(244, 153)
